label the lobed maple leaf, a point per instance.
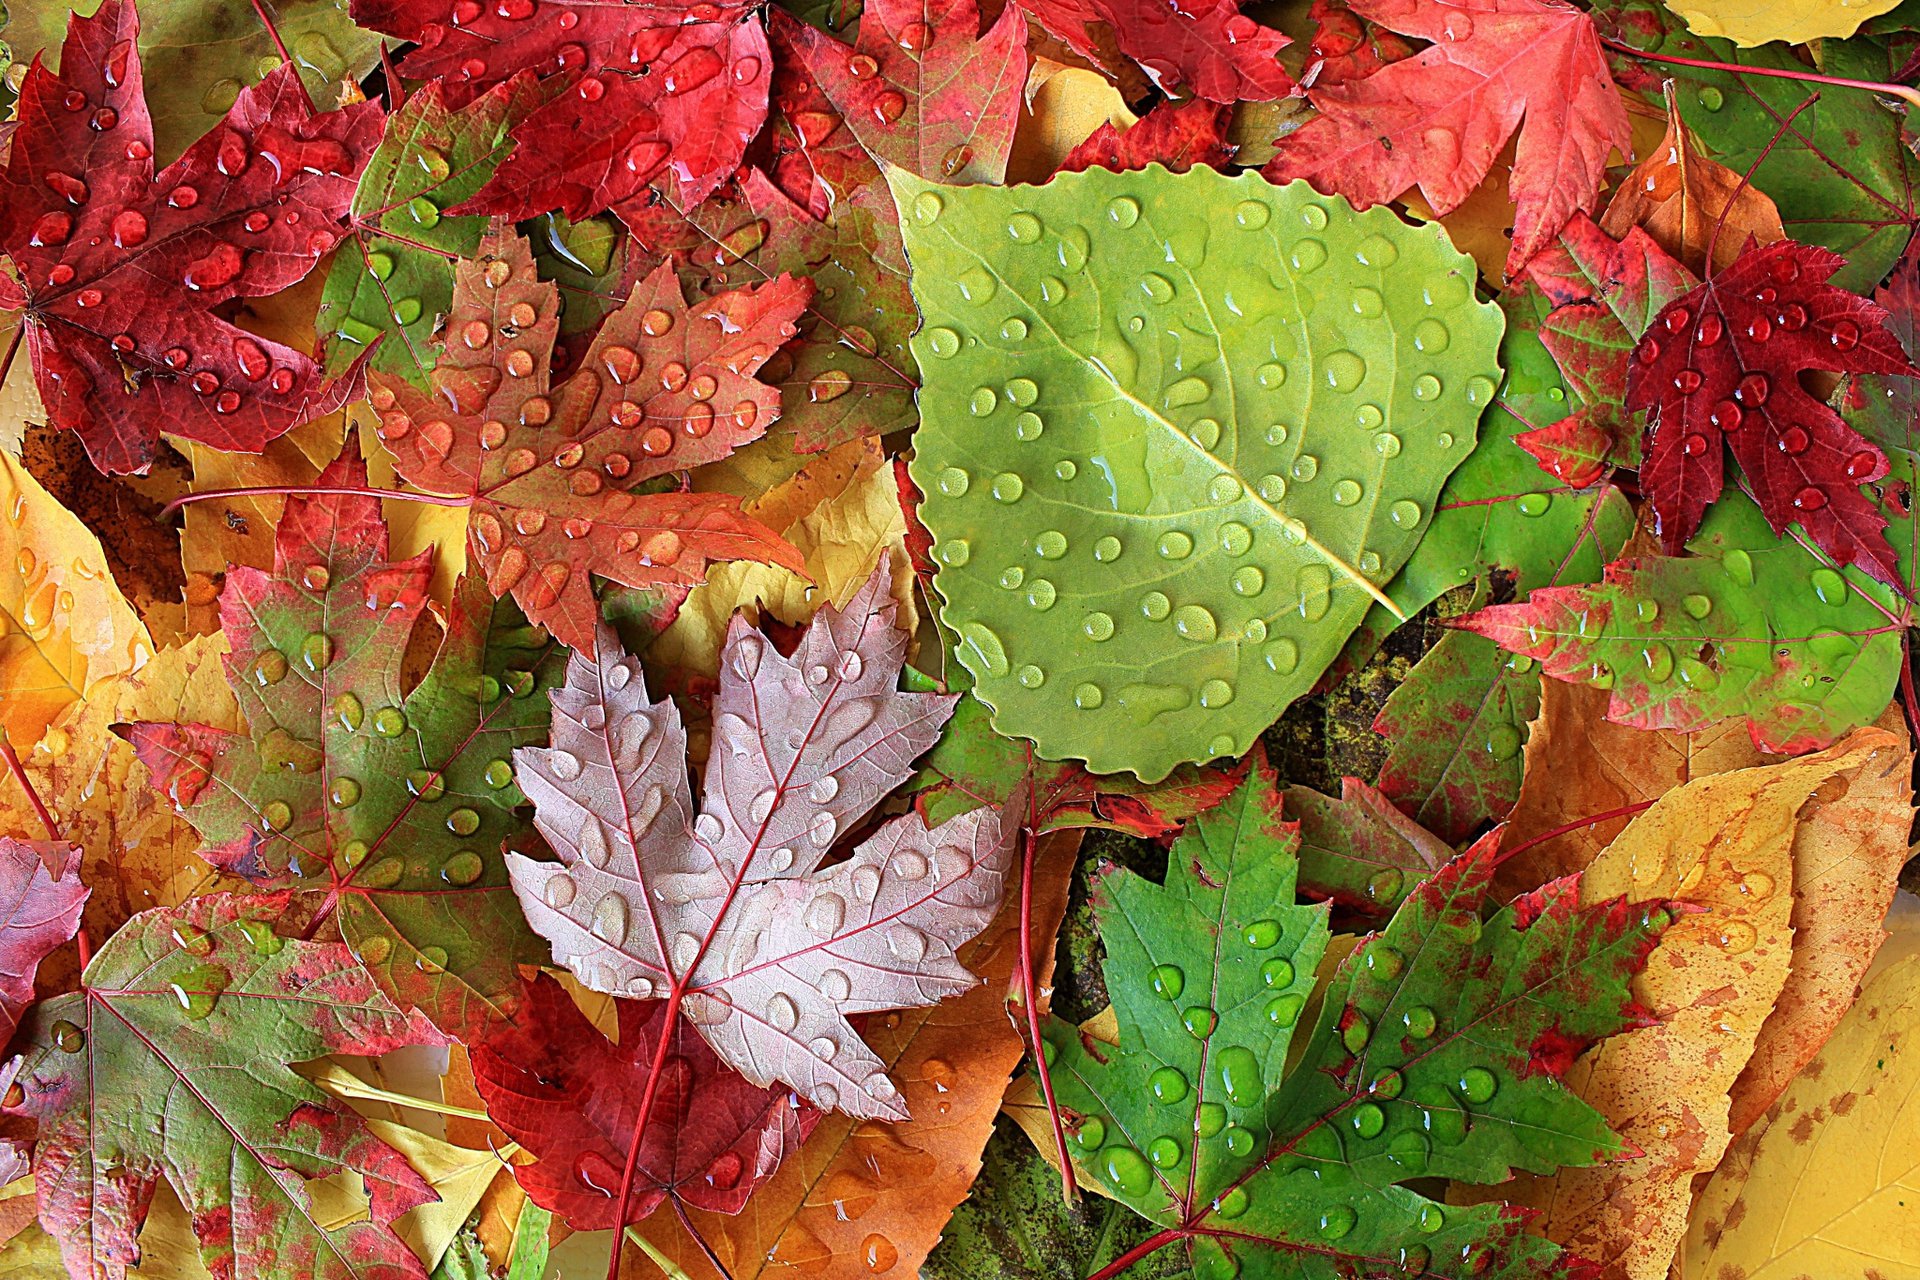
(649, 86)
(1435, 1054)
(387, 804)
(1723, 362)
(847, 371)
(1178, 135)
(918, 88)
(572, 1097)
(1347, 47)
(1438, 119)
(41, 898)
(808, 149)
(729, 915)
(123, 272)
(175, 1060)
(664, 386)
(1209, 50)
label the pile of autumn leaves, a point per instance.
(328, 794)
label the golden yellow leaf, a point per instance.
(1753, 22)
(1827, 1185)
(459, 1174)
(1679, 196)
(35, 1255)
(1064, 105)
(867, 1198)
(1725, 843)
(64, 626)
(840, 512)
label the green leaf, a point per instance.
(393, 278)
(390, 803)
(1176, 430)
(1435, 1054)
(1842, 175)
(197, 57)
(175, 1060)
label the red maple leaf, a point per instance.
(1436, 120)
(664, 386)
(121, 271)
(656, 87)
(1178, 135)
(1208, 50)
(807, 148)
(1723, 362)
(919, 88)
(570, 1096)
(1348, 48)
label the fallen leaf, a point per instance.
(1822, 1186)
(40, 900)
(1689, 203)
(1437, 118)
(542, 531)
(803, 747)
(873, 1198)
(1208, 49)
(1756, 22)
(127, 338)
(1360, 851)
(1178, 135)
(1064, 107)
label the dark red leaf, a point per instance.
(1724, 363)
(1212, 51)
(124, 271)
(571, 1097)
(1178, 135)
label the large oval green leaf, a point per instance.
(1176, 431)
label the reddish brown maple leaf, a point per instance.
(1178, 135)
(121, 271)
(1723, 362)
(664, 386)
(660, 86)
(1209, 50)
(1436, 120)
(570, 1096)
(919, 88)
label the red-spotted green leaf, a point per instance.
(920, 87)
(647, 86)
(570, 1096)
(549, 466)
(1359, 851)
(1436, 120)
(176, 1059)
(729, 915)
(390, 805)
(847, 372)
(124, 272)
(1723, 363)
(1425, 1059)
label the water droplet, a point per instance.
(1123, 211)
(1007, 487)
(943, 342)
(1307, 256)
(1168, 1086)
(1478, 1085)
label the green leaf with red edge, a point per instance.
(1724, 362)
(1436, 120)
(1178, 135)
(971, 766)
(393, 277)
(1842, 174)
(124, 273)
(571, 1097)
(647, 86)
(847, 373)
(1208, 49)
(390, 805)
(920, 87)
(1435, 1054)
(550, 469)
(175, 1060)
(1360, 852)
(1750, 625)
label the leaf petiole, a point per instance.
(403, 495)
(1912, 96)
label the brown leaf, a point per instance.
(870, 1199)
(1678, 195)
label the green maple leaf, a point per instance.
(393, 279)
(1434, 1054)
(391, 805)
(175, 1060)
(1176, 431)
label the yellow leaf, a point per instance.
(1753, 22)
(1064, 106)
(840, 512)
(64, 626)
(1725, 843)
(460, 1175)
(1825, 1185)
